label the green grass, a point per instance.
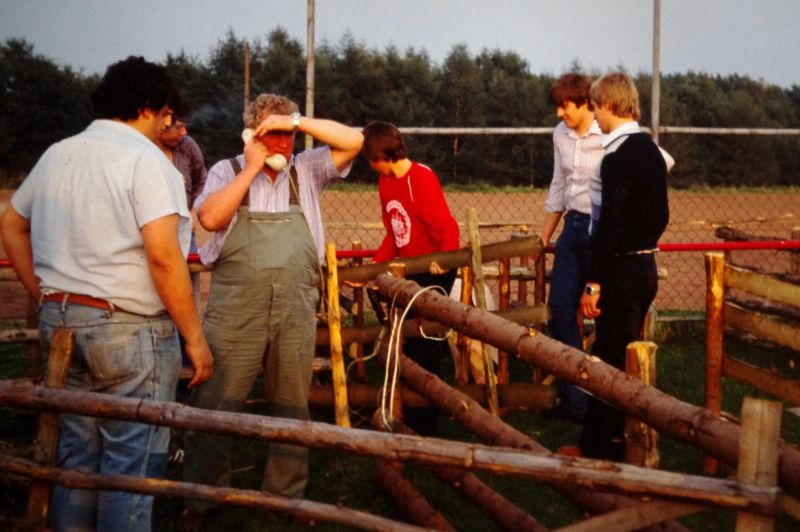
(340, 478)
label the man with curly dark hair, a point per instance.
(98, 233)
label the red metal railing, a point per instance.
(667, 247)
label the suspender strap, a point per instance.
(293, 198)
(237, 168)
(293, 193)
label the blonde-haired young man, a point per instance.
(629, 215)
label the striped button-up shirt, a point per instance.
(575, 161)
(315, 169)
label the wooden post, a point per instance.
(794, 267)
(45, 449)
(641, 441)
(410, 502)
(539, 298)
(462, 371)
(540, 283)
(505, 301)
(357, 349)
(335, 326)
(522, 286)
(758, 455)
(480, 302)
(715, 293)
(34, 356)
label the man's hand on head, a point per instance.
(275, 123)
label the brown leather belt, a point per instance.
(80, 299)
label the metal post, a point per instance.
(246, 74)
(310, 69)
(655, 102)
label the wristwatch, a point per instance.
(592, 290)
(295, 120)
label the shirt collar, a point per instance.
(594, 129)
(103, 125)
(625, 129)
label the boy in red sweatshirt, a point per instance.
(417, 221)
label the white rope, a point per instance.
(393, 356)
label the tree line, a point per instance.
(43, 102)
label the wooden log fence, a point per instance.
(542, 466)
(721, 313)
(499, 509)
(528, 315)
(489, 428)
(688, 423)
(389, 477)
(520, 395)
(45, 447)
(730, 234)
(447, 259)
(257, 500)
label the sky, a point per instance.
(756, 38)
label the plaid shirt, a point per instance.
(188, 159)
(575, 161)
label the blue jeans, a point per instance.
(570, 268)
(125, 355)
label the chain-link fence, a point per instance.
(694, 216)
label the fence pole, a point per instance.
(758, 455)
(794, 267)
(33, 354)
(45, 447)
(335, 327)
(504, 302)
(480, 302)
(641, 441)
(462, 342)
(358, 318)
(715, 292)
(522, 285)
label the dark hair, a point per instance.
(571, 88)
(132, 85)
(383, 142)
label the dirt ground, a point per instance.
(694, 216)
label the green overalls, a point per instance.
(261, 315)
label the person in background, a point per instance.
(577, 149)
(628, 217)
(417, 222)
(265, 249)
(186, 156)
(98, 232)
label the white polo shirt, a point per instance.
(87, 199)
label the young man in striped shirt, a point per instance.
(578, 150)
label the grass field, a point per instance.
(340, 478)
